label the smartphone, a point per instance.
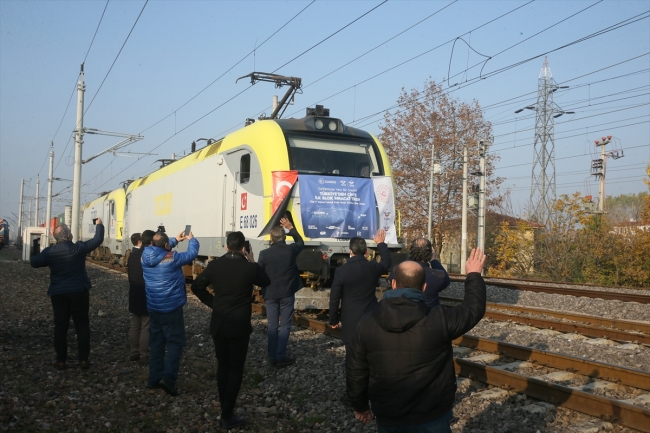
(95, 221)
(247, 246)
(188, 229)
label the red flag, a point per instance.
(282, 183)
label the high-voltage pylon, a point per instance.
(542, 188)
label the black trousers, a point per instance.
(65, 306)
(231, 357)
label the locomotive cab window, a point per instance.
(333, 157)
(245, 168)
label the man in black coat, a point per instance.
(279, 262)
(401, 359)
(68, 291)
(355, 284)
(232, 277)
(139, 332)
(437, 279)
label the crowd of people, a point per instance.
(398, 351)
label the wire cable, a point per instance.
(116, 57)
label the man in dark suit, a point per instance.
(139, 331)
(355, 284)
(437, 279)
(232, 277)
(68, 291)
(279, 262)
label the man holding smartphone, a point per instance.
(279, 262)
(232, 277)
(69, 289)
(166, 295)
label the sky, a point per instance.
(167, 70)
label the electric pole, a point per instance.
(463, 239)
(20, 213)
(482, 150)
(78, 142)
(38, 181)
(435, 169)
(599, 166)
(48, 211)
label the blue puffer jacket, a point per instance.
(67, 262)
(163, 276)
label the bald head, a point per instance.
(408, 274)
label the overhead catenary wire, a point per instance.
(257, 47)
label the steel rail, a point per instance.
(545, 288)
(630, 325)
(569, 327)
(626, 376)
(625, 414)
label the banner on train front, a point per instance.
(386, 206)
(337, 207)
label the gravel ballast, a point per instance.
(305, 397)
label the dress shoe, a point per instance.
(232, 422)
(284, 362)
(59, 365)
(168, 387)
(153, 385)
(85, 365)
(134, 357)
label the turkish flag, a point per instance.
(244, 200)
(282, 183)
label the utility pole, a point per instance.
(29, 214)
(78, 142)
(435, 169)
(48, 211)
(463, 239)
(20, 213)
(38, 181)
(482, 150)
(599, 166)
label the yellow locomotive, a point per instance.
(334, 181)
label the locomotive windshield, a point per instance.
(354, 158)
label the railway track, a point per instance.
(471, 362)
(590, 326)
(600, 390)
(560, 289)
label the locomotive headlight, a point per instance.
(332, 125)
(319, 124)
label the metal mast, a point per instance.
(78, 142)
(542, 186)
(542, 190)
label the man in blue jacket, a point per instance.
(279, 263)
(68, 291)
(165, 287)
